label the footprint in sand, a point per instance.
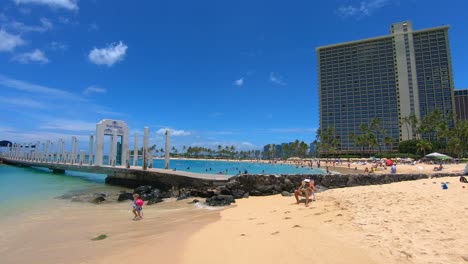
(260, 223)
(294, 226)
(252, 218)
(242, 234)
(275, 233)
(287, 212)
(339, 215)
(287, 218)
(328, 221)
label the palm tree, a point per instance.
(406, 121)
(388, 141)
(423, 146)
(273, 151)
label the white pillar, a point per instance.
(52, 152)
(135, 150)
(127, 162)
(59, 146)
(91, 148)
(47, 151)
(29, 157)
(145, 148)
(99, 144)
(166, 160)
(114, 147)
(150, 158)
(64, 160)
(36, 151)
(82, 156)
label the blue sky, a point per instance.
(240, 73)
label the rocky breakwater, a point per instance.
(243, 186)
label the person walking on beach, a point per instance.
(306, 189)
(137, 207)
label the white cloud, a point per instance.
(239, 82)
(9, 42)
(365, 8)
(94, 89)
(38, 89)
(45, 25)
(20, 136)
(93, 27)
(33, 56)
(108, 56)
(22, 102)
(55, 45)
(68, 125)
(65, 4)
(276, 79)
(173, 132)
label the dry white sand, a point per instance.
(406, 222)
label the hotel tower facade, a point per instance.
(388, 77)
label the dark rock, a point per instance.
(256, 193)
(98, 199)
(202, 194)
(220, 200)
(166, 195)
(154, 200)
(125, 196)
(183, 195)
(224, 190)
(238, 193)
(285, 193)
(233, 184)
(146, 189)
(195, 201)
(246, 195)
(264, 189)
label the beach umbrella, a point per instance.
(436, 155)
(389, 162)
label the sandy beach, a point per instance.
(405, 222)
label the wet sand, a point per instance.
(62, 233)
(404, 222)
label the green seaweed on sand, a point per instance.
(100, 237)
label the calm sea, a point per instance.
(25, 188)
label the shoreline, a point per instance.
(62, 232)
(391, 223)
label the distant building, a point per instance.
(461, 104)
(388, 77)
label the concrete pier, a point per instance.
(133, 176)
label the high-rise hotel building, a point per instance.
(388, 77)
(461, 104)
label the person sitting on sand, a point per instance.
(439, 168)
(137, 207)
(306, 189)
(366, 170)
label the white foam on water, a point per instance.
(207, 207)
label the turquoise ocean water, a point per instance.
(23, 188)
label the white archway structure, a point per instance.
(114, 128)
